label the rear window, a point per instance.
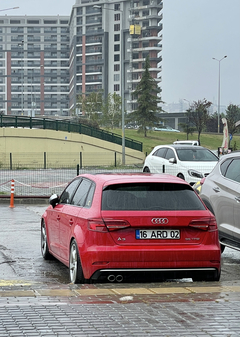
(153, 196)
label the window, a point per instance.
(116, 87)
(117, 27)
(116, 7)
(68, 193)
(81, 193)
(224, 166)
(170, 154)
(150, 196)
(116, 77)
(15, 22)
(160, 152)
(33, 22)
(117, 57)
(117, 37)
(116, 17)
(116, 67)
(50, 22)
(233, 170)
(116, 47)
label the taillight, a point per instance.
(202, 181)
(100, 225)
(114, 225)
(208, 224)
(97, 225)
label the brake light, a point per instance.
(97, 225)
(100, 225)
(208, 224)
(202, 181)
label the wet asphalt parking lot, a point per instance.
(36, 298)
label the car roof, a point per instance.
(232, 154)
(180, 146)
(121, 178)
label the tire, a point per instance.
(75, 267)
(146, 169)
(44, 243)
(181, 176)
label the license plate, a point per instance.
(158, 234)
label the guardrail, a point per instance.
(68, 126)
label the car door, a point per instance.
(56, 216)
(233, 174)
(225, 190)
(53, 218)
(157, 160)
(170, 166)
(71, 216)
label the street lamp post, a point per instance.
(219, 61)
(122, 81)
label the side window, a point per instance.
(233, 171)
(81, 193)
(68, 193)
(224, 166)
(90, 195)
(170, 154)
(160, 152)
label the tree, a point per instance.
(198, 115)
(91, 104)
(146, 94)
(232, 116)
(112, 112)
(187, 128)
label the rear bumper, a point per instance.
(151, 260)
(120, 274)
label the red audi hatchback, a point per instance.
(115, 225)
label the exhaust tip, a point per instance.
(119, 278)
(111, 278)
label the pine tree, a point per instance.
(146, 93)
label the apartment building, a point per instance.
(34, 65)
(46, 62)
(109, 41)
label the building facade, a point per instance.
(34, 65)
(46, 62)
(109, 41)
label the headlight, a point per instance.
(195, 174)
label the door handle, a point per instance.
(216, 189)
(71, 222)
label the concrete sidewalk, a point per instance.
(89, 310)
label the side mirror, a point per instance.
(54, 200)
(173, 161)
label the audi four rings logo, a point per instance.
(159, 221)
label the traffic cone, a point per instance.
(12, 194)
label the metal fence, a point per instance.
(50, 160)
(43, 182)
(68, 126)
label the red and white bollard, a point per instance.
(12, 194)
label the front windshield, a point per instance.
(196, 155)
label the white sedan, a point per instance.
(191, 163)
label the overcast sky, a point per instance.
(194, 32)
